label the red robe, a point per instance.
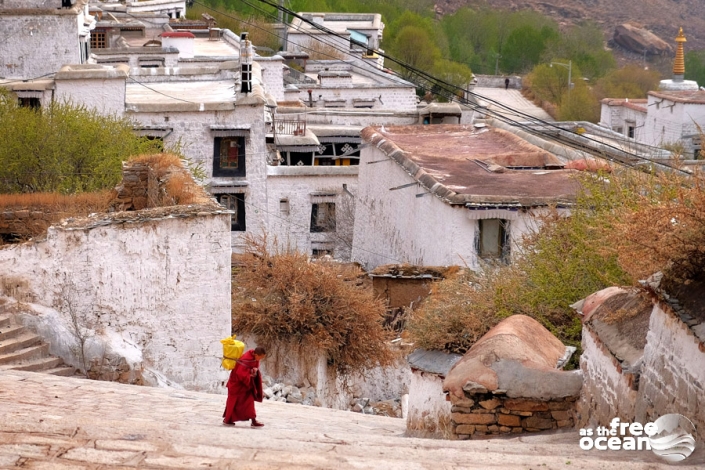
(243, 389)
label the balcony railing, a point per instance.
(290, 127)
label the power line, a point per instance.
(448, 88)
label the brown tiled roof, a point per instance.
(637, 105)
(689, 96)
(464, 165)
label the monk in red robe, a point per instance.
(244, 388)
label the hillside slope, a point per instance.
(662, 17)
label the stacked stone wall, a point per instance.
(491, 414)
(28, 221)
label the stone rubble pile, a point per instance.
(305, 394)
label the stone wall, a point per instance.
(670, 377)
(497, 81)
(673, 372)
(27, 221)
(493, 413)
(429, 412)
(607, 392)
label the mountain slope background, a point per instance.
(662, 17)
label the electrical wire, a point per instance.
(451, 93)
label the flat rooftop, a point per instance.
(467, 165)
(202, 47)
(177, 92)
(338, 22)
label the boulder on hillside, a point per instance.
(638, 40)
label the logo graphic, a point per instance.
(673, 440)
(670, 437)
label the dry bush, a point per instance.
(177, 186)
(318, 50)
(284, 298)
(662, 228)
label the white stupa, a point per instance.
(677, 83)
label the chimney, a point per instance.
(246, 54)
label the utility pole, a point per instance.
(496, 65)
(280, 12)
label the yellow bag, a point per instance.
(232, 350)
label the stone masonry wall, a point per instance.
(489, 414)
(673, 372)
(672, 378)
(607, 391)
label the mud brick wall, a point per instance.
(28, 221)
(488, 414)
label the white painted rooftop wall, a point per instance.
(36, 45)
(107, 96)
(161, 286)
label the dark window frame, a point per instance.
(327, 225)
(237, 220)
(503, 242)
(241, 170)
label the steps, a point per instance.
(20, 349)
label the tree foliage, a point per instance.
(63, 148)
(630, 81)
(284, 298)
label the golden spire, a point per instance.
(679, 63)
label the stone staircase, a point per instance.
(20, 349)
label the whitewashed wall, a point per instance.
(159, 290)
(192, 131)
(388, 98)
(296, 184)
(668, 121)
(273, 75)
(428, 409)
(36, 45)
(107, 96)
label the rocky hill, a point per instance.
(661, 17)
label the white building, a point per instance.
(451, 194)
(672, 115)
(359, 34)
(40, 36)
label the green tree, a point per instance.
(695, 66)
(585, 46)
(550, 83)
(630, 81)
(63, 148)
(413, 46)
(579, 105)
(524, 48)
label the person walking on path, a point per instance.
(245, 388)
(506, 83)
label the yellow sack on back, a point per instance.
(232, 350)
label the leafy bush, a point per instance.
(283, 297)
(63, 148)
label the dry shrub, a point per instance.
(182, 190)
(661, 228)
(318, 50)
(52, 206)
(160, 163)
(284, 298)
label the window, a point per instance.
(235, 203)
(284, 206)
(323, 217)
(229, 156)
(631, 126)
(32, 103)
(98, 40)
(320, 252)
(493, 240)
